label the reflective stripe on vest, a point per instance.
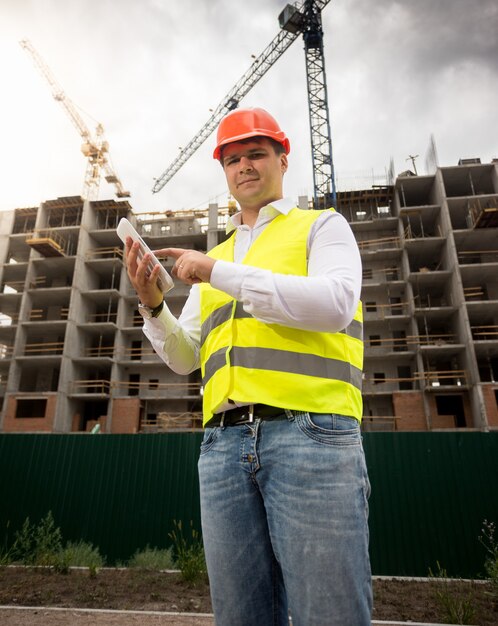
(246, 360)
(284, 361)
(224, 313)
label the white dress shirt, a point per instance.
(324, 300)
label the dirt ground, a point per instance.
(157, 592)
(46, 617)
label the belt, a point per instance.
(246, 415)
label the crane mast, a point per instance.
(94, 148)
(321, 142)
(301, 18)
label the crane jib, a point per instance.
(301, 18)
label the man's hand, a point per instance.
(191, 266)
(145, 284)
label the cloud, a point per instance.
(150, 70)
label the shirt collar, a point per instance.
(283, 206)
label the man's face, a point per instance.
(254, 172)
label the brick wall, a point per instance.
(491, 404)
(125, 415)
(409, 408)
(13, 424)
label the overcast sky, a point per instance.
(150, 70)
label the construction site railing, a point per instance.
(133, 354)
(378, 422)
(36, 315)
(44, 348)
(165, 422)
(386, 273)
(101, 386)
(136, 354)
(122, 386)
(6, 351)
(484, 333)
(477, 210)
(437, 378)
(41, 282)
(100, 351)
(428, 301)
(102, 318)
(112, 252)
(381, 311)
(375, 384)
(379, 244)
(157, 388)
(410, 233)
(477, 257)
(436, 339)
(50, 236)
(474, 293)
(434, 378)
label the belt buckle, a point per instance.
(251, 413)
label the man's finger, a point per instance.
(174, 253)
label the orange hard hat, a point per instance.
(245, 123)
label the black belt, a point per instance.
(246, 415)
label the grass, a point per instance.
(189, 554)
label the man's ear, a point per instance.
(284, 164)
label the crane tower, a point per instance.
(95, 148)
(301, 18)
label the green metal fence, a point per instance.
(430, 493)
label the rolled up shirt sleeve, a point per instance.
(325, 300)
(177, 341)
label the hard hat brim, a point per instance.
(278, 137)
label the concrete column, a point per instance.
(212, 233)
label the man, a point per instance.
(274, 321)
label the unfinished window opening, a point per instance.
(392, 273)
(375, 340)
(92, 411)
(136, 350)
(452, 405)
(399, 341)
(379, 377)
(29, 408)
(370, 307)
(25, 220)
(154, 383)
(396, 306)
(133, 384)
(367, 273)
(404, 377)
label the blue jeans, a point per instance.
(284, 521)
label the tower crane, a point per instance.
(304, 18)
(95, 148)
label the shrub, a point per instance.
(152, 559)
(38, 545)
(82, 554)
(42, 545)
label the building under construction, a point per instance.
(73, 355)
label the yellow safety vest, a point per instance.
(250, 361)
